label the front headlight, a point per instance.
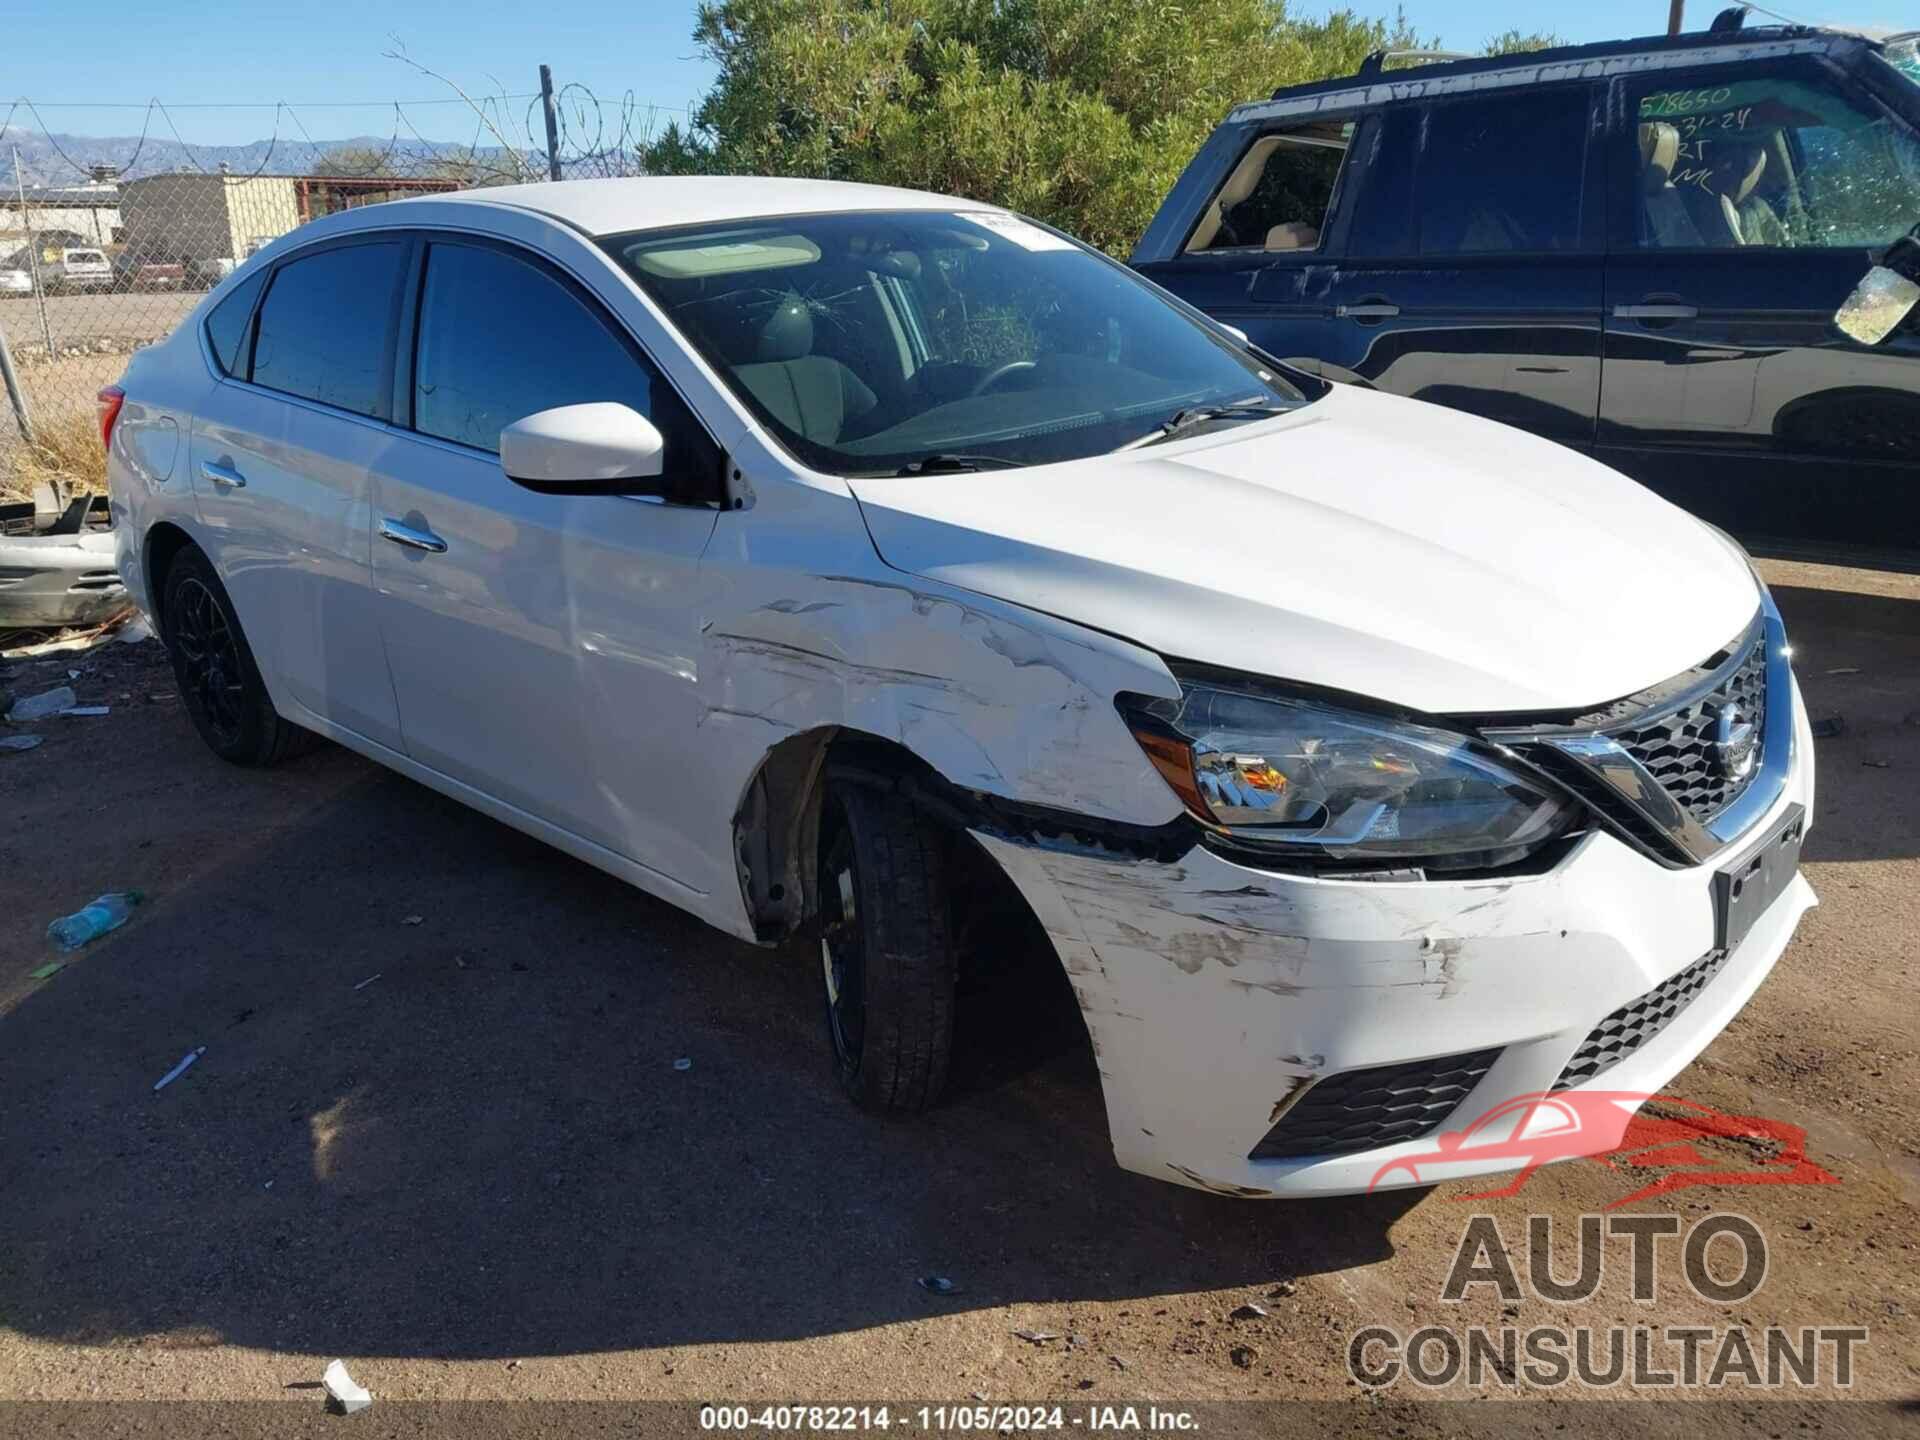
(1341, 785)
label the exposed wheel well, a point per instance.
(165, 541)
(776, 831)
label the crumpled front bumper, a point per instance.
(1213, 992)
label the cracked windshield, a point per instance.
(897, 343)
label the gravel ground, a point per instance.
(439, 1128)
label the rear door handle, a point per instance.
(1656, 312)
(223, 475)
(1367, 310)
(413, 539)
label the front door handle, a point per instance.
(223, 475)
(413, 539)
(1377, 308)
(1656, 311)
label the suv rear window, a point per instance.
(325, 328)
(1503, 174)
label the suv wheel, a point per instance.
(887, 955)
(215, 669)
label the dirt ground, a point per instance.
(439, 1130)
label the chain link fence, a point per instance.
(107, 245)
(91, 273)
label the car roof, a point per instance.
(1372, 84)
(659, 202)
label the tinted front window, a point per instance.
(1504, 174)
(501, 340)
(1773, 157)
(324, 328)
(227, 325)
(871, 342)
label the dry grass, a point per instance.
(66, 448)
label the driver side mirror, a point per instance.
(1886, 296)
(600, 449)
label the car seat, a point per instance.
(1667, 222)
(813, 395)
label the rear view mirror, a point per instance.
(600, 449)
(1887, 296)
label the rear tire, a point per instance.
(888, 960)
(215, 669)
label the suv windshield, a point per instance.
(938, 341)
(1903, 53)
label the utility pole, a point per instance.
(1676, 16)
(553, 122)
(33, 253)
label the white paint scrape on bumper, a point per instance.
(1213, 991)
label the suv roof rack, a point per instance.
(1379, 59)
(1729, 28)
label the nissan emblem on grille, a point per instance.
(1733, 743)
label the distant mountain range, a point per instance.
(62, 159)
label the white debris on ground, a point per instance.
(128, 627)
(342, 1389)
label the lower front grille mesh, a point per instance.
(1635, 1023)
(1365, 1109)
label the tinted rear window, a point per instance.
(324, 328)
(1504, 174)
(227, 326)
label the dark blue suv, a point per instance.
(1637, 248)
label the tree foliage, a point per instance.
(1078, 112)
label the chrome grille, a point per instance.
(1365, 1109)
(1638, 1021)
(1678, 749)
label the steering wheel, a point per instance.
(999, 372)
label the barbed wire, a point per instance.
(594, 138)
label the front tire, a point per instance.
(214, 667)
(887, 954)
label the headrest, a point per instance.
(787, 333)
(1659, 153)
(1292, 235)
(1737, 168)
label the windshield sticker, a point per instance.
(1012, 227)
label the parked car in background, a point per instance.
(147, 273)
(204, 274)
(858, 564)
(1636, 249)
(16, 275)
(68, 269)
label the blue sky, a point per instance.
(320, 57)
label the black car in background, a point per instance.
(1637, 248)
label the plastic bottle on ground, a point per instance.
(109, 912)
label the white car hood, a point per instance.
(1364, 543)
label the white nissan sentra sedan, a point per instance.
(788, 548)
